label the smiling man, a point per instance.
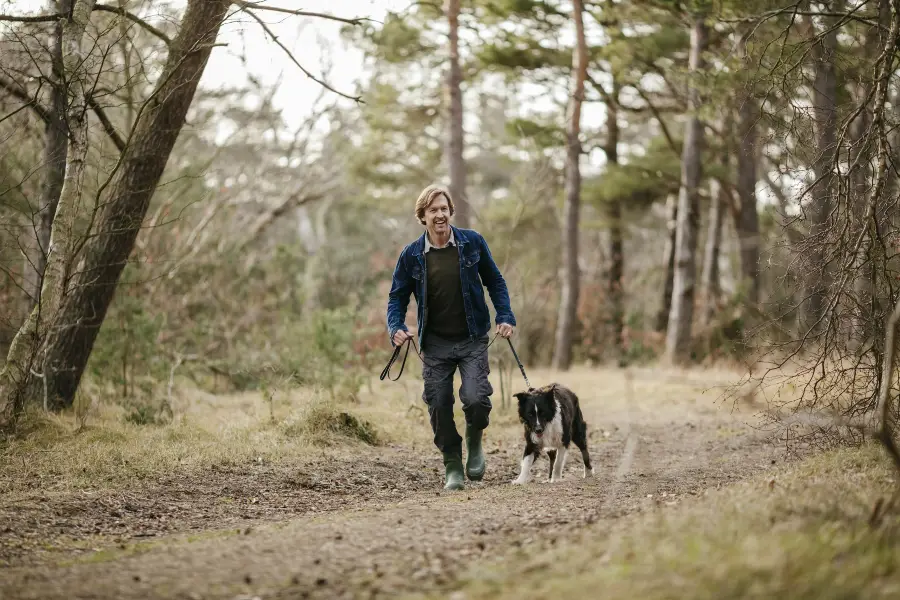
(447, 269)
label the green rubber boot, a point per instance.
(474, 454)
(454, 471)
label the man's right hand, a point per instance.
(400, 336)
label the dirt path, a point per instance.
(375, 525)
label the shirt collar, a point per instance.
(429, 246)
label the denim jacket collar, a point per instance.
(457, 238)
(429, 245)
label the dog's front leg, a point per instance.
(556, 472)
(531, 453)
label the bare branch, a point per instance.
(21, 94)
(677, 94)
(776, 189)
(794, 236)
(134, 19)
(108, 127)
(294, 60)
(246, 5)
(659, 119)
(99, 7)
(293, 201)
(31, 19)
(793, 9)
(600, 89)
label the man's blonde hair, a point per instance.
(429, 195)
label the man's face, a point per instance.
(437, 216)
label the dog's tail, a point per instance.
(580, 425)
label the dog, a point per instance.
(552, 420)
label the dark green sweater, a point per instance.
(446, 311)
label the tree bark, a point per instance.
(709, 278)
(455, 161)
(678, 335)
(562, 355)
(746, 218)
(662, 317)
(141, 166)
(719, 199)
(62, 238)
(22, 351)
(864, 311)
(825, 115)
(55, 149)
(864, 280)
(614, 291)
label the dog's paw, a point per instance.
(588, 473)
(518, 481)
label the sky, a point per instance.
(310, 39)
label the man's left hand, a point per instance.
(505, 330)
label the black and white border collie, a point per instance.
(552, 420)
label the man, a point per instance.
(445, 269)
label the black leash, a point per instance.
(386, 372)
(519, 362)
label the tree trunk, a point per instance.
(709, 278)
(863, 283)
(825, 115)
(719, 199)
(62, 240)
(568, 305)
(128, 81)
(55, 148)
(614, 291)
(662, 317)
(142, 164)
(24, 346)
(456, 164)
(864, 312)
(893, 181)
(678, 335)
(746, 218)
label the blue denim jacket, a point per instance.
(476, 265)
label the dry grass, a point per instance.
(324, 424)
(803, 534)
(57, 453)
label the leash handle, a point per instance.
(519, 362)
(410, 342)
(386, 372)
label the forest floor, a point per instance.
(243, 498)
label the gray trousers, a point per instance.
(441, 359)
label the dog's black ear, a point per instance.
(522, 396)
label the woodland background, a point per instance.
(737, 204)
